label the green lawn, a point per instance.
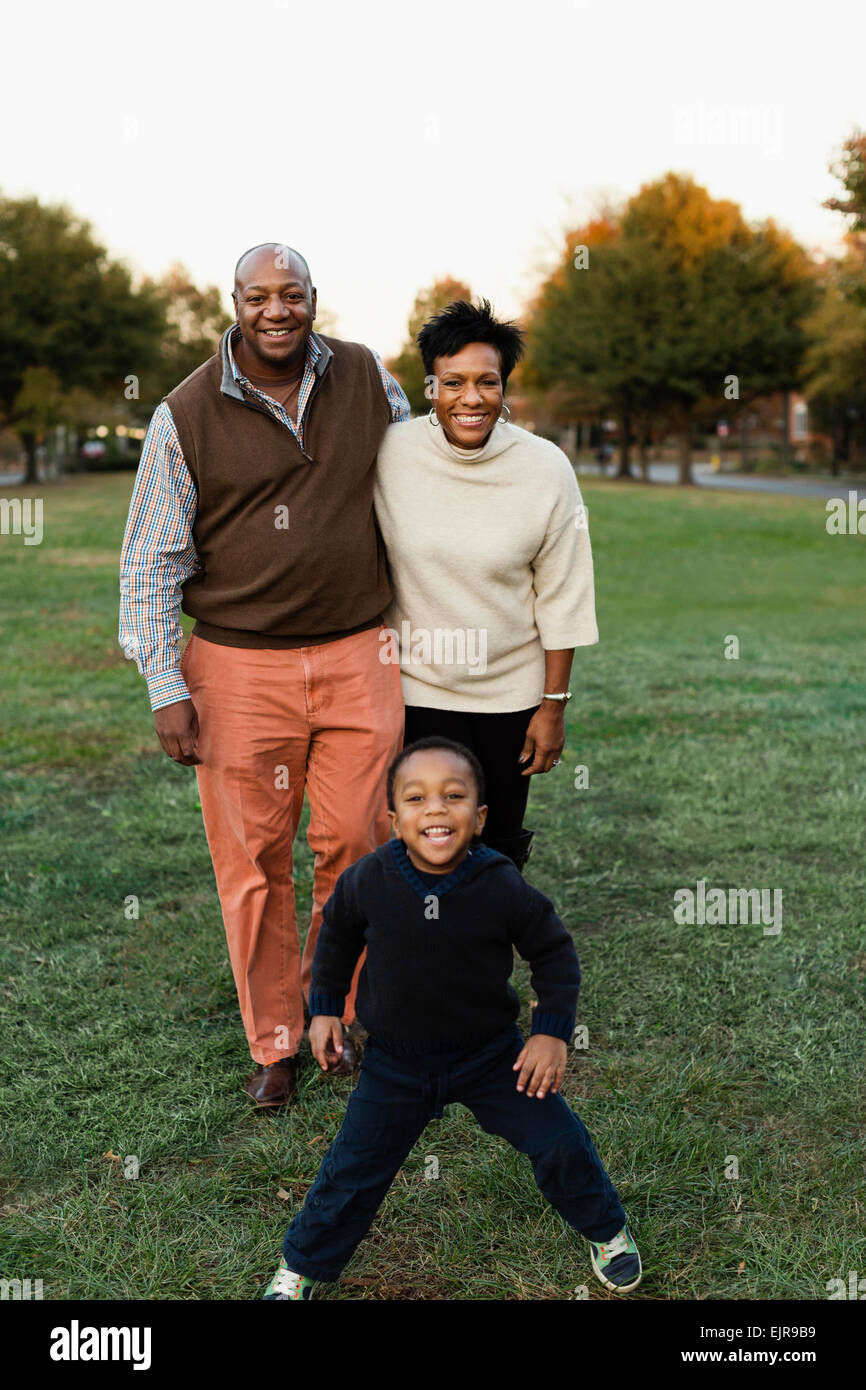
(706, 1043)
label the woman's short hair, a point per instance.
(463, 323)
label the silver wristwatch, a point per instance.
(566, 695)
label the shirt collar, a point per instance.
(318, 359)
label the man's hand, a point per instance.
(177, 729)
(326, 1040)
(545, 738)
(541, 1065)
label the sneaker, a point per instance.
(617, 1262)
(286, 1285)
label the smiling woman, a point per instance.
(486, 534)
(468, 377)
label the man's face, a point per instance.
(436, 810)
(275, 306)
(469, 393)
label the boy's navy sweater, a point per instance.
(439, 952)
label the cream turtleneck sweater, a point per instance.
(490, 565)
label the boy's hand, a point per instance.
(541, 1065)
(326, 1040)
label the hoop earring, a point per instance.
(503, 419)
(433, 417)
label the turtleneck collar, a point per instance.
(500, 438)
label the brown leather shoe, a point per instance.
(352, 1052)
(275, 1084)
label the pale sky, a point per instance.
(394, 143)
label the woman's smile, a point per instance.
(470, 422)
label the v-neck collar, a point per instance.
(477, 855)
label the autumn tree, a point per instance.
(195, 320)
(850, 170)
(835, 366)
(677, 307)
(581, 347)
(407, 367)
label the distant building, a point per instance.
(766, 429)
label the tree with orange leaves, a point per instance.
(672, 310)
(407, 367)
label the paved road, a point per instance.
(706, 476)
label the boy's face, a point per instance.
(437, 811)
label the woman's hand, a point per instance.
(545, 737)
(541, 1065)
(326, 1040)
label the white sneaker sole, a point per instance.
(614, 1288)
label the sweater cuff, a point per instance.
(332, 1005)
(552, 1025)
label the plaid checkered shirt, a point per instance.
(159, 555)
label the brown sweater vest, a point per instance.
(289, 549)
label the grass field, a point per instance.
(707, 1044)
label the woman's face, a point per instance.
(468, 394)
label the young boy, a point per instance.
(439, 914)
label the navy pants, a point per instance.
(389, 1110)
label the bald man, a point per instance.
(253, 512)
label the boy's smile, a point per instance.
(436, 810)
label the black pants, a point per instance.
(389, 1110)
(497, 742)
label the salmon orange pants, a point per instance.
(273, 723)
